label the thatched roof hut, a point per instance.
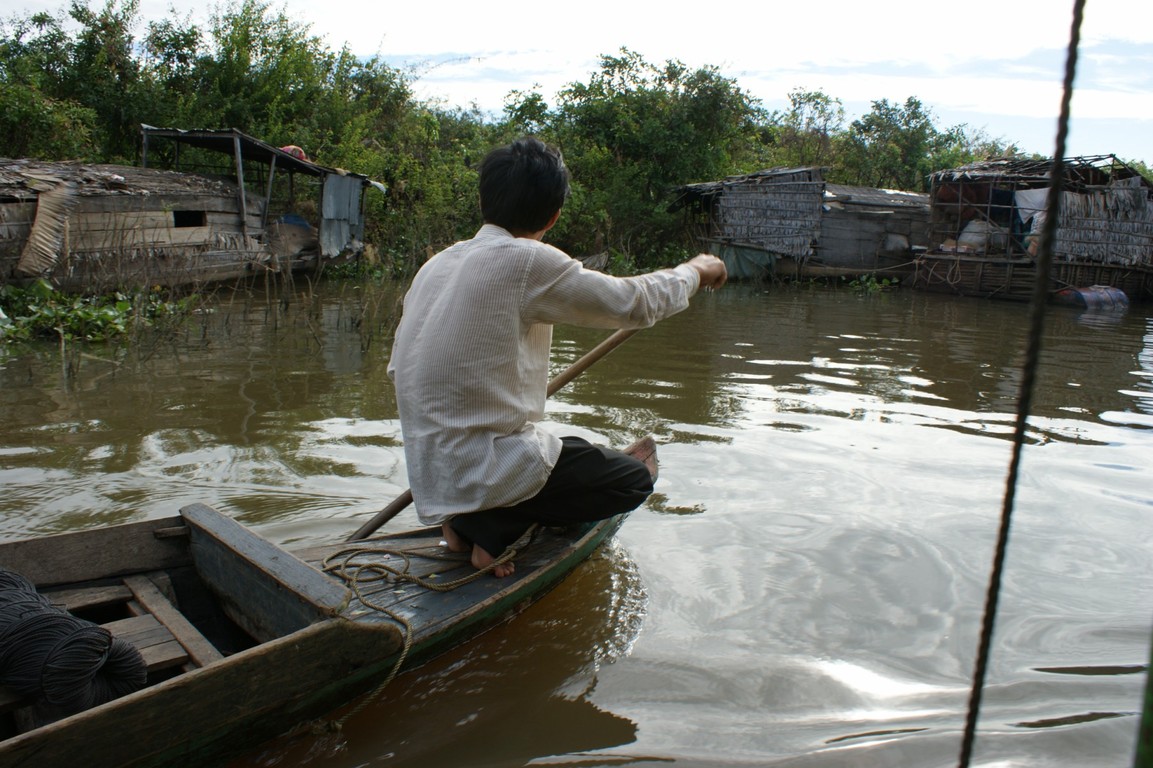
(1105, 214)
(791, 219)
(987, 218)
(91, 228)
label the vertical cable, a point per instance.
(1029, 376)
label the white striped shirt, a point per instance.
(470, 362)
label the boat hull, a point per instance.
(236, 701)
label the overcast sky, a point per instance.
(994, 65)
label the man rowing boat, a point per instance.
(470, 365)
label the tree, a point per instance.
(526, 112)
(171, 53)
(806, 132)
(960, 145)
(104, 74)
(34, 52)
(889, 147)
(630, 134)
(35, 55)
(264, 73)
(34, 125)
(898, 146)
(89, 83)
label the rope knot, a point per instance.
(322, 727)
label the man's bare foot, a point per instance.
(452, 539)
(481, 559)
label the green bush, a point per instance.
(40, 311)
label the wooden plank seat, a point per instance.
(156, 643)
(86, 598)
(265, 590)
(164, 637)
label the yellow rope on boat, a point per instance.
(351, 567)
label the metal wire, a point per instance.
(53, 657)
(1029, 376)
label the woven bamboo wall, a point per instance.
(782, 215)
(1108, 226)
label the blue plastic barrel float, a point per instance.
(1093, 297)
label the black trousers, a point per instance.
(588, 483)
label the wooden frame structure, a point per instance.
(986, 219)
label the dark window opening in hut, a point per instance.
(190, 218)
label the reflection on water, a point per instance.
(804, 589)
(520, 692)
(277, 409)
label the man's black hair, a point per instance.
(522, 185)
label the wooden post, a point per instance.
(239, 156)
(268, 197)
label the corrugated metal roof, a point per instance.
(889, 198)
(225, 140)
(689, 193)
(1090, 170)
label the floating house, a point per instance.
(986, 220)
(790, 222)
(232, 206)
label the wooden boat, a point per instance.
(244, 640)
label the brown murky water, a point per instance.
(806, 587)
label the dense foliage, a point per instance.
(79, 84)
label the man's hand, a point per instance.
(711, 269)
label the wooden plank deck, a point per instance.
(423, 607)
(996, 277)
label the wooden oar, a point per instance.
(559, 381)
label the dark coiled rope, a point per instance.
(57, 659)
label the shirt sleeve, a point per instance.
(558, 289)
